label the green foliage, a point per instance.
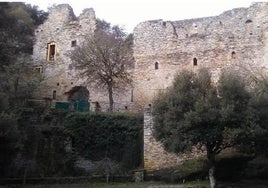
(189, 167)
(17, 24)
(17, 83)
(261, 104)
(9, 142)
(53, 158)
(196, 111)
(99, 135)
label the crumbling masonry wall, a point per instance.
(155, 157)
(233, 39)
(57, 37)
(236, 39)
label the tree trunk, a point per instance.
(25, 174)
(211, 172)
(111, 100)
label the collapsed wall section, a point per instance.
(155, 157)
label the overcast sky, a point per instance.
(129, 13)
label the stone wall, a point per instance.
(155, 157)
(66, 30)
(233, 39)
(236, 39)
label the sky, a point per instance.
(128, 13)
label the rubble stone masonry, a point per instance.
(162, 48)
(54, 40)
(236, 38)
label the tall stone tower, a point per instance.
(55, 39)
(59, 35)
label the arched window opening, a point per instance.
(156, 65)
(248, 21)
(233, 55)
(51, 51)
(195, 62)
(78, 98)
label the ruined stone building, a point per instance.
(54, 40)
(161, 48)
(234, 39)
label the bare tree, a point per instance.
(103, 60)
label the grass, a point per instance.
(196, 184)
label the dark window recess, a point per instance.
(58, 84)
(125, 107)
(248, 21)
(73, 43)
(156, 65)
(233, 55)
(39, 70)
(54, 95)
(51, 51)
(195, 62)
(164, 24)
(150, 105)
(131, 98)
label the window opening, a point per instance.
(131, 98)
(195, 62)
(54, 94)
(73, 43)
(39, 69)
(233, 55)
(97, 107)
(51, 51)
(156, 65)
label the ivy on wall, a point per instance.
(102, 135)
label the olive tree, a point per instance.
(197, 111)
